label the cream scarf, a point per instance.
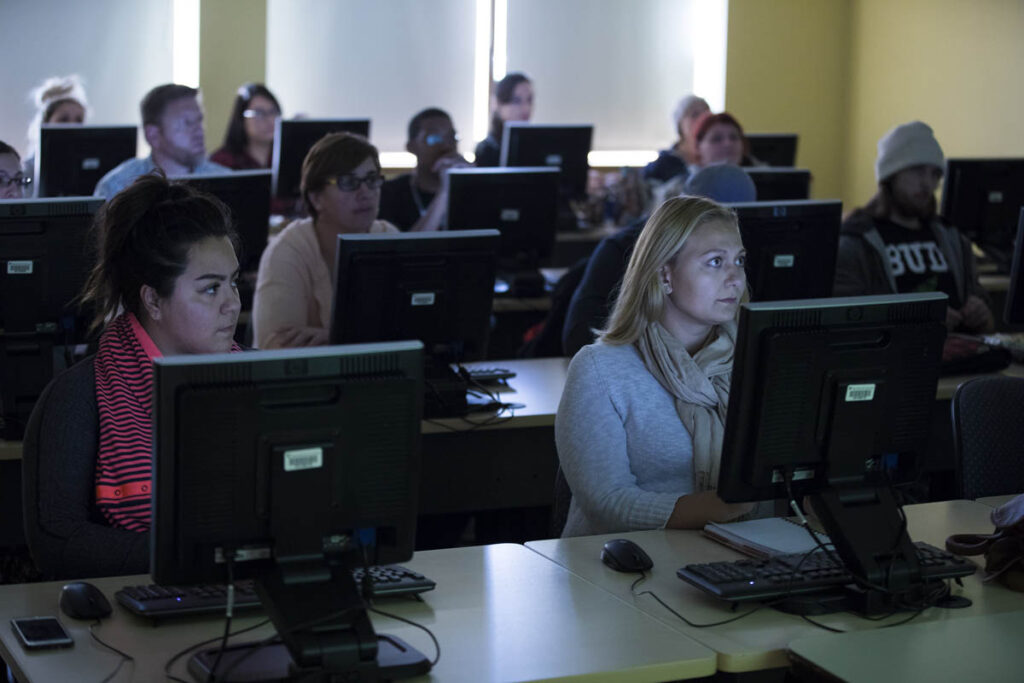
(700, 385)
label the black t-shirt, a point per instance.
(916, 261)
(398, 202)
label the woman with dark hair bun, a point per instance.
(512, 101)
(249, 140)
(165, 283)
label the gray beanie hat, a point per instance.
(724, 183)
(910, 144)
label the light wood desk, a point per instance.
(500, 613)
(491, 461)
(948, 385)
(970, 649)
(10, 450)
(760, 640)
(996, 501)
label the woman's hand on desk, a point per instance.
(694, 510)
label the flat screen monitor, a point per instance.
(297, 465)
(247, 195)
(774, 149)
(773, 184)
(791, 247)
(520, 203)
(1013, 314)
(983, 198)
(434, 287)
(293, 139)
(829, 397)
(45, 257)
(562, 146)
(72, 157)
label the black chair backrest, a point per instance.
(988, 436)
(560, 506)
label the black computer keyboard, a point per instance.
(785, 575)
(482, 375)
(168, 601)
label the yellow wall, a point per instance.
(787, 67)
(843, 72)
(232, 51)
(956, 65)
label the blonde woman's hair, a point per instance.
(641, 298)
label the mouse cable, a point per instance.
(170, 662)
(437, 645)
(643, 576)
(125, 657)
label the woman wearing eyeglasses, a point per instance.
(418, 201)
(341, 183)
(249, 140)
(12, 181)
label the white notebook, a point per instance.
(764, 537)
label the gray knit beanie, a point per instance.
(910, 144)
(724, 183)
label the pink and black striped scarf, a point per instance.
(124, 397)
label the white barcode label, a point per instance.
(90, 164)
(553, 160)
(784, 261)
(19, 267)
(303, 459)
(995, 197)
(509, 215)
(860, 392)
(422, 299)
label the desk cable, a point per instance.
(125, 657)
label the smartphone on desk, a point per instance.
(41, 632)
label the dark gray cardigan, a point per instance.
(67, 535)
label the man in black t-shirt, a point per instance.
(418, 201)
(898, 243)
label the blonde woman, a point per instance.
(639, 428)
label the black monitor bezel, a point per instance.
(573, 180)
(49, 139)
(282, 180)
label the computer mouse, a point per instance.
(625, 556)
(81, 600)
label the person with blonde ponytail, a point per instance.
(639, 428)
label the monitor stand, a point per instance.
(324, 633)
(870, 536)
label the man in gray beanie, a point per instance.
(897, 242)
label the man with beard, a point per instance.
(898, 243)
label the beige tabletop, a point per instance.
(536, 388)
(760, 640)
(948, 385)
(501, 613)
(996, 501)
(10, 450)
(986, 648)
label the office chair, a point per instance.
(988, 436)
(560, 505)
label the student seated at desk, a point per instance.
(341, 183)
(167, 261)
(897, 242)
(640, 425)
(12, 181)
(418, 201)
(720, 140)
(58, 100)
(512, 101)
(677, 159)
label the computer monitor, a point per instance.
(827, 396)
(774, 149)
(247, 194)
(982, 198)
(297, 465)
(434, 287)
(73, 157)
(520, 203)
(791, 247)
(773, 184)
(562, 146)
(45, 257)
(1013, 313)
(293, 139)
